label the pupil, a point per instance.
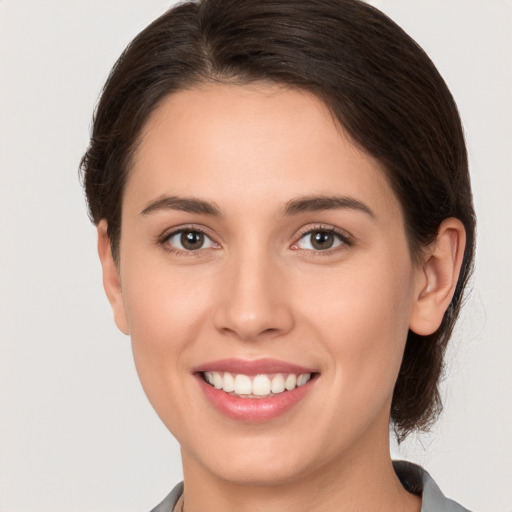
(322, 240)
(192, 240)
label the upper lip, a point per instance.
(252, 367)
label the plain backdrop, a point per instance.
(76, 432)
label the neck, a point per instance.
(362, 481)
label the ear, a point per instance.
(437, 278)
(111, 278)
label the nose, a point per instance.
(252, 303)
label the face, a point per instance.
(266, 283)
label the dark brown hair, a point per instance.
(379, 85)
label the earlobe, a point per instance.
(111, 278)
(437, 278)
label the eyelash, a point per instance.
(164, 240)
(343, 237)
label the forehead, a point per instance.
(256, 142)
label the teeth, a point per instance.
(261, 385)
(290, 382)
(277, 385)
(302, 379)
(258, 386)
(229, 383)
(243, 385)
(217, 380)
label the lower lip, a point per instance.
(254, 410)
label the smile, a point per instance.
(255, 391)
(257, 386)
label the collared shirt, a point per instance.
(414, 478)
(417, 481)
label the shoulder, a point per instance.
(416, 480)
(170, 501)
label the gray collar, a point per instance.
(414, 478)
(417, 481)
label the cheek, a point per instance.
(161, 301)
(362, 314)
(166, 312)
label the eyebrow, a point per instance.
(321, 203)
(292, 207)
(185, 204)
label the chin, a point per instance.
(254, 460)
(248, 471)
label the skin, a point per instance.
(257, 289)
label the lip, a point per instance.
(252, 367)
(253, 410)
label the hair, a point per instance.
(379, 85)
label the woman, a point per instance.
(286, 229)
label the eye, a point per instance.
(190, 240)
(321, 240)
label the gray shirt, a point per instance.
(414, 478)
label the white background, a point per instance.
(76, 432)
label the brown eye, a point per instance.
(190, 240)
(321, 240)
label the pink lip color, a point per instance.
(253, 410)
(252, 367)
